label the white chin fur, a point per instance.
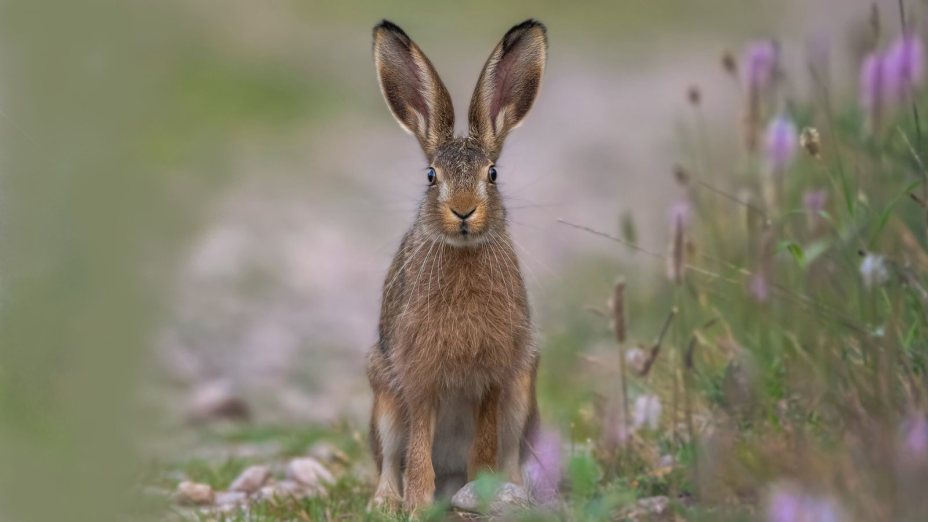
(460, 241)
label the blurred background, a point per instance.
(200, 199)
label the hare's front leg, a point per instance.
(519, 417)
(486, 434)
(388, 440)
(420, 474)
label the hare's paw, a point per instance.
(387, 498)
(386, 504)
(417, 501)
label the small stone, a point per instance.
(217, 401)
(251, 480)
(230, 498)
(310, 474)
(194, 494)
(284, 489)
(508, 496)
(666, 461)
(328, 453)
(654, 505)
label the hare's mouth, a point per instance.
(463, 233)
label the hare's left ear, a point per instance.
(508, 84)
(413, 91)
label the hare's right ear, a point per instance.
(508, 84)
(412, 88)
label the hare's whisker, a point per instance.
(405, 263)
(415, 286)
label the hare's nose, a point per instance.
(464, 215)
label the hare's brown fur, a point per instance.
(453, 372)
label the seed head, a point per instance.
(618, 310)
(681, 175)
(694, 95)
(729, 63)
(874, 21)
(676, 261)
(809, 139)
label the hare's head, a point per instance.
(461, 203)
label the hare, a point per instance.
(453, 373)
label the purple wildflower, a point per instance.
(647, 412)
(915, 438)
(680, 211)
(758, 287)
(904, 67)
(615, 430)
(780, 143)
(760, 63)
(873, 270)
(784, 506)
(787, 503)
(873, 88)
(544, 469)
(814, 202)
(760, 67)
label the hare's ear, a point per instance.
(412, 88)
(508, 84)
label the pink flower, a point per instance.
(872, 88)
(915, 438)
(680, 212)
(760, 61)
(788, 503)
(647, 412)
(784, 506)
(904, 67)
(543, 468)
(758, 287)
(814, 201)
(615, 430)
(780, 142)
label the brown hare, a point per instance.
(453, 373)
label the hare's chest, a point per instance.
(465, 327)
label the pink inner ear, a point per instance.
(415, 97)
(403, 83)
(504, 81)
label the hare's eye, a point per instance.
(491, 174)
(431, 176)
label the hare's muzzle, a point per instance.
(463, 215)
(463, 220)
